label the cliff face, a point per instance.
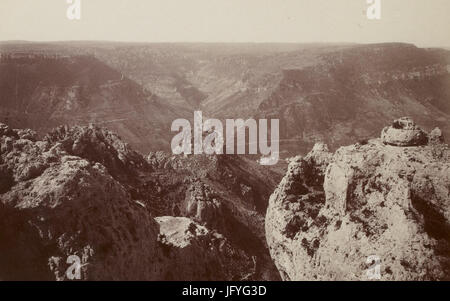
(45, 91)
(351, 94)
(332, 93)
(195, 252)
(226, 193)
(375, 198)
(66, 196)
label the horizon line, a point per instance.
(223, 42)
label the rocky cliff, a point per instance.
(43, 91)
(350, 94)
(74, 194)
(381, 203)
(226, 193)
(328, 92)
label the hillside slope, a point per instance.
(334, 93)
(42, 92)
(352, 93)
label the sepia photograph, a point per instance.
(235, 142)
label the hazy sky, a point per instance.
(423, 22)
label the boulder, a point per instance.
(404, 132)
(436, 136)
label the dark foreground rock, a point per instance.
(63, 197)
(372, 199)
(196, 253)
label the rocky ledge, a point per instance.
(382, 203)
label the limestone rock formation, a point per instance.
(436, 136)
(64, 197)
(55, 205)
(196, 253)
(98, 145)
(226, 193)
(203, 206)
(403, 132)
(373, 199)
(295, 205)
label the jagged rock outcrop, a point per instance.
(225, 193)
(196, 253)
(403, 132)
(55, 204)
(374, 199)
(202, 205)
(436, 136)
(99, 145)
(294, 206)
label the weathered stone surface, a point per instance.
(377, 199)
(99, 145)
(203, 206)
(226, 193)
(294, 206)
(196, 253)
(436, 136)
(77, 208)
(403, 132)
(55, 204)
